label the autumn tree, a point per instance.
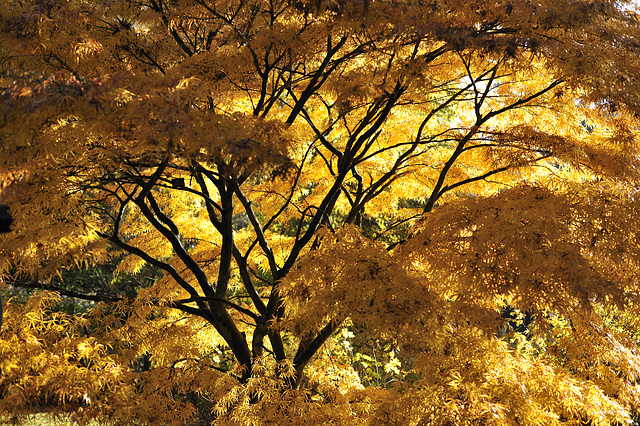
(290, 170)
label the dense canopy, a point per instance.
(357, 211)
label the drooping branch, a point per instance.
(65, 292)
(155, 262)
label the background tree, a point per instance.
(291, 168)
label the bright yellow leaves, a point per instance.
(404, 169)
(49, 360)
(47, 357)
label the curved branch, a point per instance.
(68, 293)
(155, 262)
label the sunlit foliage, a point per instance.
(347, 212)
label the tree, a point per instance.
(292, 169)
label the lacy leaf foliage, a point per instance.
(291, 169)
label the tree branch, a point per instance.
(65, 292)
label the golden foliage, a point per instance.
(451, 185)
